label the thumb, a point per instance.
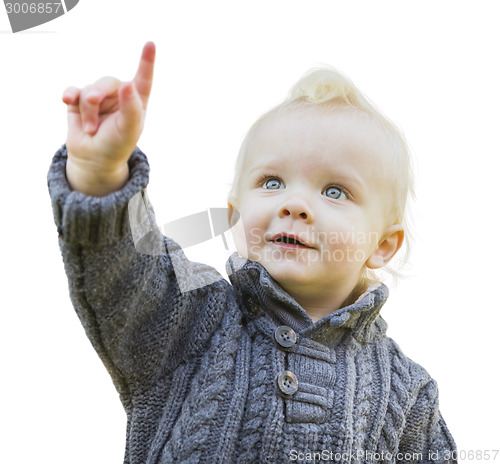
(130, 113)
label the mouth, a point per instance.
(288, 241)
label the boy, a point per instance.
(291, 361)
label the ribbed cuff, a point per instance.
(97, 221)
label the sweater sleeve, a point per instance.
(124, 280)
(426, 438)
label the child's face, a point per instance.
(316, 178)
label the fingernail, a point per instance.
(89, 127)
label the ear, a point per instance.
(387, 247)
(232, 215)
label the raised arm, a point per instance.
(126, 294)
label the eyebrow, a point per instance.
(263, 168)
(350, 179)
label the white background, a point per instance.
(430, 66)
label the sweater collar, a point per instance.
(262, 296)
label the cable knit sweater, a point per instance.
(235, 373)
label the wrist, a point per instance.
(94, 179)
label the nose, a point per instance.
(296, 208)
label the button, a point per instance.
(251, 303)
(285, 336)
(287, 382)
(255, 308)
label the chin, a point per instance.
(286, 274)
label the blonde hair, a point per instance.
(328, 89)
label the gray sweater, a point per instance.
(235, 373)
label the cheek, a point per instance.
(252, 221)
(351, 238)
(248, 231)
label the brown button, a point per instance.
(251, 303)
(287, 383)
(285, 336)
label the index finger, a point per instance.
(143, 79)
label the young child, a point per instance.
(291, 361)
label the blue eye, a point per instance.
(273, 184)
(335, 193)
